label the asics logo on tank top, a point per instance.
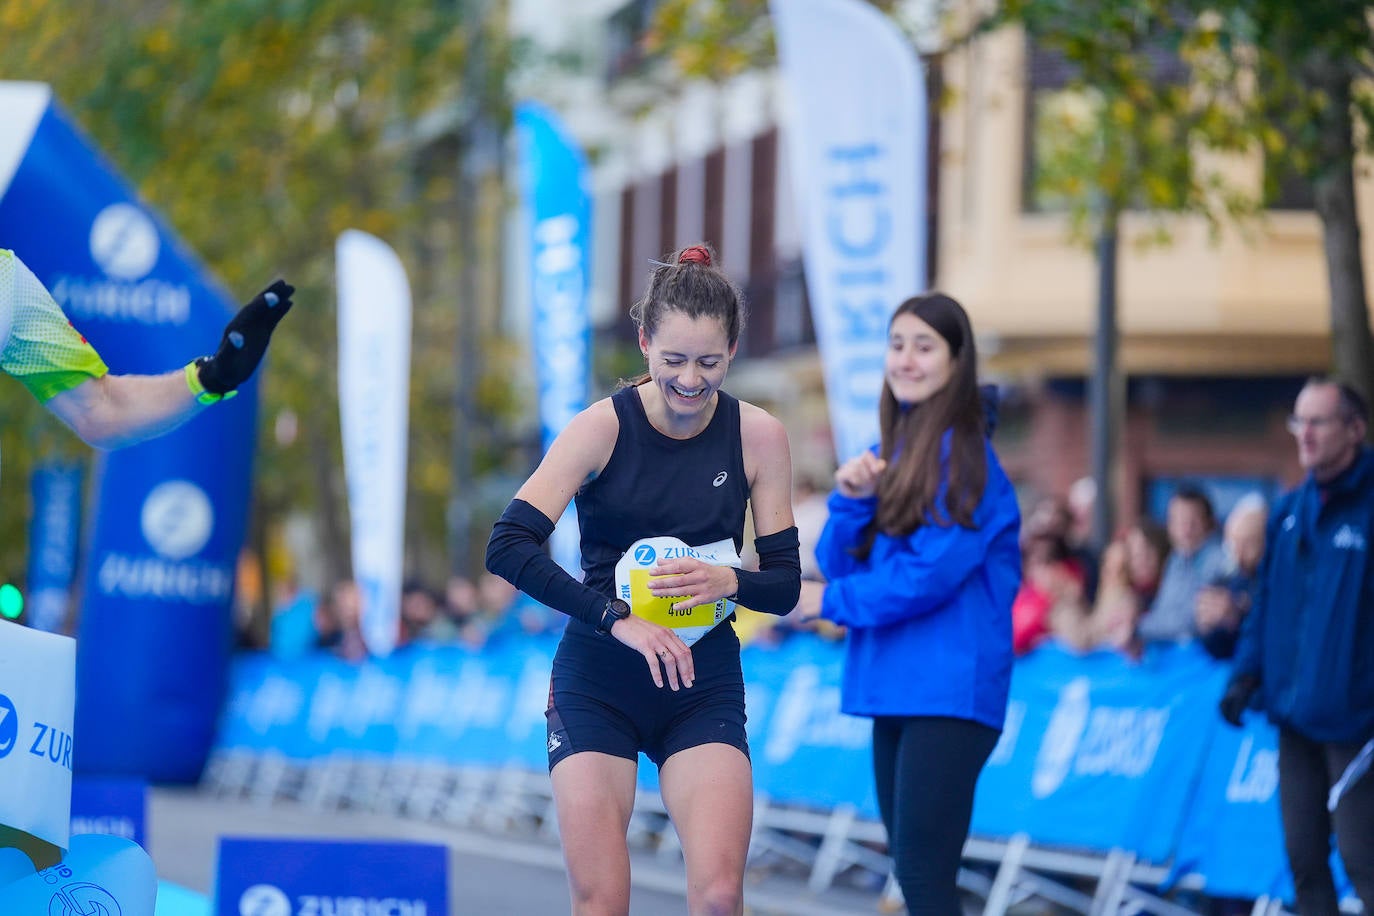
(720, 478)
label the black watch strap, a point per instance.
(616, 609)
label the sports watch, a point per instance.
(615, 609)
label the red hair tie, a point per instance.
(697, 254)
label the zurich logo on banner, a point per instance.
(285, 877)
(857, 146)
(1083, 728)
(170, 514)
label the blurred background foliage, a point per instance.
(261, 130)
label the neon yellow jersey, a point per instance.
(38, 345)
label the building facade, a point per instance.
(1216, 334)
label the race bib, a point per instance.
(632, 585)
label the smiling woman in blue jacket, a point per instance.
(922, 563)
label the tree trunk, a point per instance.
(1334, 189)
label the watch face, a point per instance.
(620, 608)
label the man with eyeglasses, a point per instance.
(1306, 650)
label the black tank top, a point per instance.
(656, 486)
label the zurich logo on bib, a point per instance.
(632, 585)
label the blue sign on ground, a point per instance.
(292, 877)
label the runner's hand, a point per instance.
(245, 340)
(693, 581)
(664, 651)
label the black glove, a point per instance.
(245, 340)
(1237, 697)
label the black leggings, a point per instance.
(926, 768)
(1307, 770)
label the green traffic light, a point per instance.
(11, 602)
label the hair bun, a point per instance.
(697, 254)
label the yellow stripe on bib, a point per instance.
(659, 609)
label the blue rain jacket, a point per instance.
(929, 614)
(1309, 636)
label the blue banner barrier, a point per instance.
(446, 704)
(270, 876)
(452, 705)
(1233, 835)
(1098, 752)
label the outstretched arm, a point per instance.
(117, 410)
(111, 411)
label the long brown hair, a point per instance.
(909, 490)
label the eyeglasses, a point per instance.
(1297, 424)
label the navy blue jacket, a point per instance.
(1309, 637)
(928, 615)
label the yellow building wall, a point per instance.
(1251, 302)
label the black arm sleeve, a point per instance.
(776, 586)
(515, 552)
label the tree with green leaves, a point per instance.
(261, 131)
(1151, 85)
(1301, 72)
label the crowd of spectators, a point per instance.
(1186, 579)
(465, 612)
(1182, 582)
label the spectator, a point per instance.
(1224, 603)
(1131, 569)
(339, 622)
(1306, 647)
(1054, 517)
(459, 611)
(293, 629)
(1050, 578)
(420, 614)
(1195, 560)
(1081, 500)
(922, 560)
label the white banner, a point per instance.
(857, 140)
(374, 411)
(37, 708)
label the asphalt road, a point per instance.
(489, 873)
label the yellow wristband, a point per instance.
(197, 389)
